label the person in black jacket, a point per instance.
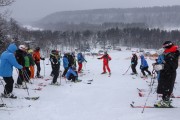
(167, 73)
(134, 62)
(55, 63)
(20, 54)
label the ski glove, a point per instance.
(42, 58)
(141, 67)
(98, 58)
(159, 67)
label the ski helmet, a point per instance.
(167, 44)
(22, 47)
(37, 48)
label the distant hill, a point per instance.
(161, 17)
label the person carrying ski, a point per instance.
(8, 60)
(144, 67)
(37, 57)
(134, 62)
(72, 74)
(55, 64)
(65, 64)
(167, 73)
(80, 59)
(106, 58)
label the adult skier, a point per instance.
(106, 58)
(37, 57)
(167, 73)
(8, 60)
(144, 67)
(134, 62)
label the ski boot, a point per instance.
(10, 95)
(163, 104)
(103, 72)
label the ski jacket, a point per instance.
(69, 72)
(106, 58)
(134, 59)
(143, 62)
(20, 57)
(31, 60)
(160, 59)
(80, 58)
(55, 59)
(37, 56)
(8, 60)
(27, 61)
(65, 62)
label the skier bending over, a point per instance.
(72, 74)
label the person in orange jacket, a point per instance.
(106, 58)
(37, 57)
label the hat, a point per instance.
(37, 48)
(22, 47)
(167, 44)
(30, 51)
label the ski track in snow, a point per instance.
(106, 98)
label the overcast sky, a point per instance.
(32, 10)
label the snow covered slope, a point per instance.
(106, 98)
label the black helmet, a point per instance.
(37, 48)
(167, 44)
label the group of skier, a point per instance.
(24, 59)
(165, 67)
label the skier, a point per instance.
(167, 73)
(53, 52)
(106, 58)
(134, 62)
(72, 74)
(65, 64)
(54, 58)
(80, 59)
(30, 51)
(37, 57)
(27, 72)
(20, 54)
(8, 60)
(144, 67)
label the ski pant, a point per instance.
(65, 71)
(21, 77)
(133, 67)
(145, 69)
(80, 67)
(166, 84)
(72, 77)
(55, 72)
(9, 85)
(106, 66)
(38, 69)
(32, 71)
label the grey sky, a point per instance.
(32, 10)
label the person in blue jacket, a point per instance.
(144, 66)
(72, 74)
(65, 64)
(8, 60)
(80, 60)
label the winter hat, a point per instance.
(37, 48)
(22, 47)
(167, 44)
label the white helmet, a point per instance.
(160, 51)
(22, 47)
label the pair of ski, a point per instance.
(148, 106)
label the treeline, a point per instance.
(82, 40)
(159, 17)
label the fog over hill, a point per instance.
(161, 17)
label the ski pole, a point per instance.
(147, 98)
(127, 70)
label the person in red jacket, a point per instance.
(106, 58)
(37, 57)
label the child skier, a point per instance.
(144, 67)
(134, 62)
(106, 58)
(80, 59)
(72, 74)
